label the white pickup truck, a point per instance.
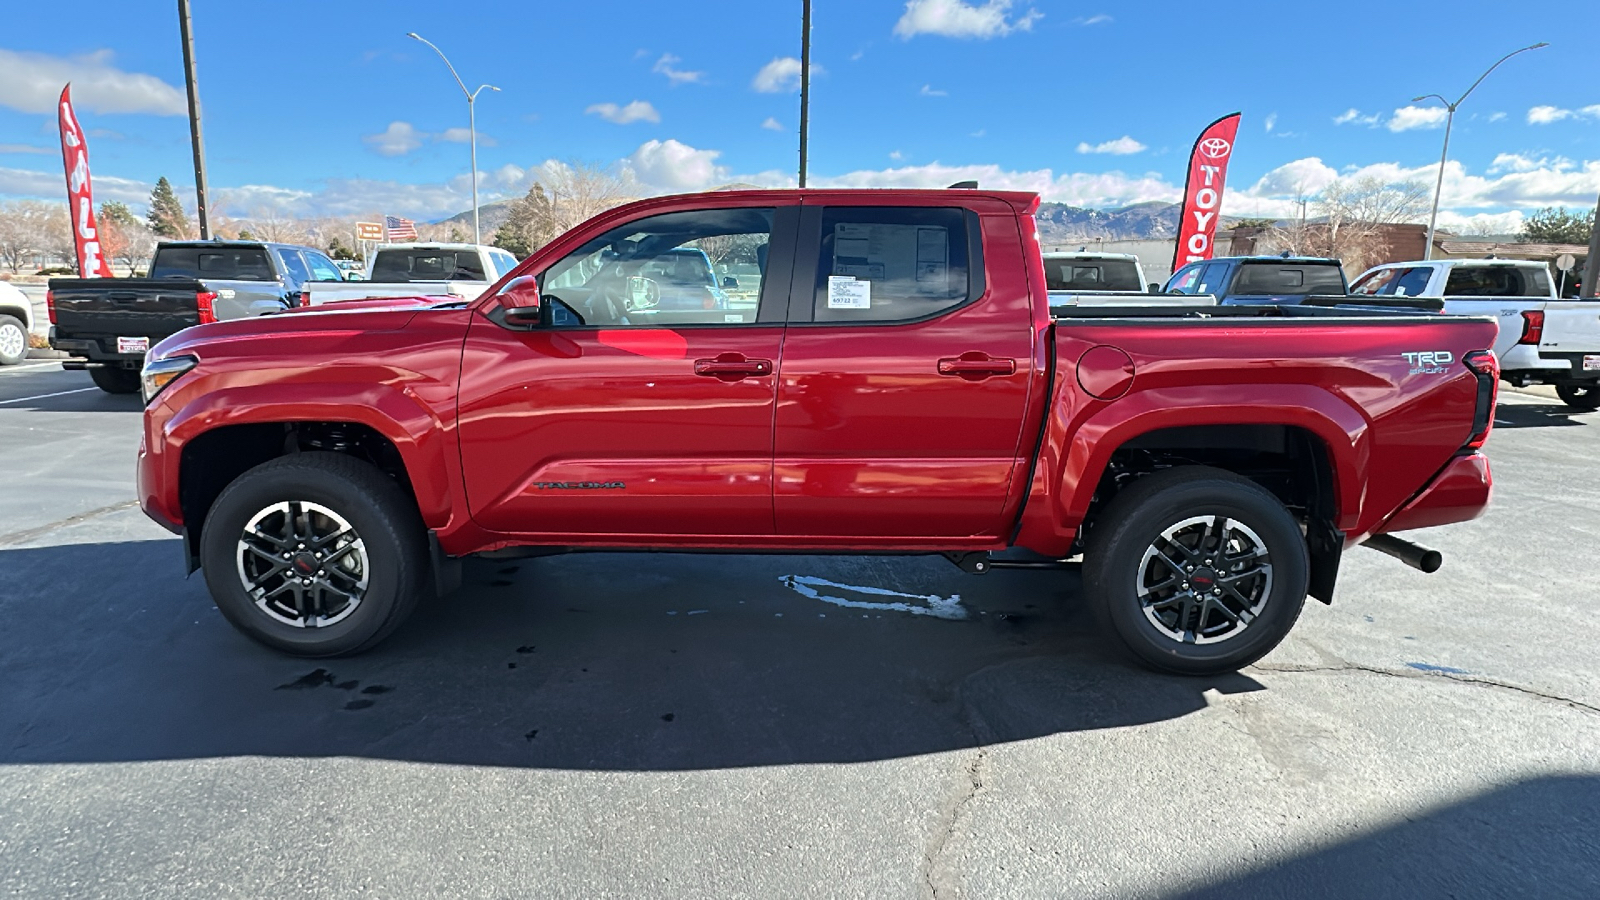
(1543, 339)
(420, 270)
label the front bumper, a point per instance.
(1459, 493)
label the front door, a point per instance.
(642, 408)
(905, 377)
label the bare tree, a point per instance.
(31, 230)
(563, 195)
(1352, 220)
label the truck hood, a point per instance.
(294, 327)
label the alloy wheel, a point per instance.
(303, 564)
(1204, 579)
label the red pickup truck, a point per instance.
(893, 381)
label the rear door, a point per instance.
(619, 419)
(905, 375)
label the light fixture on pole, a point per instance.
(472, 124)
(1450, 118)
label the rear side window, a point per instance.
(427, 265)
(1063, 274)
(1497, 281)
(217, 263)
(892, 264)
(1268, 279)
(1413, 283)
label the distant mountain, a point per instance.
(490, 217)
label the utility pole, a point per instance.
(194, 120)
(805, 82)
(1591, 267)
(472, 126)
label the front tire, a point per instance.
(315, 554)
(1585, 397)
(13, 341)
(113, 380)
(1196, 570)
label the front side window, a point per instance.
(1211, 278)
(1414, 282)
(889, 264)
(1185, 281)
(661, 271)
(1374, 283)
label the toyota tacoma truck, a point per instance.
(901, 387)
(105, 325)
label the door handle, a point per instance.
(732, 367)
(975, 365)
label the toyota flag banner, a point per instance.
(1202, 192)
(80, 195)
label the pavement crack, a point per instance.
(1450, 676)
(20, 537)
(935, 881)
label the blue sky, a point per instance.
(328, 109)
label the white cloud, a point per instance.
(1096, 19)
(1122, 146)
(463, 136)
(1481, 223)
(1516, 162)
(22, 148)
(896, 155)
(1271, 121)
(782, 74)
(929, 90)
(1353, 116)
(953, 18)
(1409, 118)
(49, 186)
(667, 65)
(637, 111)
(772, 124)
(1108, 189)
(31, 83)
(672, 166)
(398, 139)
(1544, 115)
(1496, 116)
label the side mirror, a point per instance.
(1154, 288)
(730, 282)
(520, 299)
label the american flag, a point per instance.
(400, 229)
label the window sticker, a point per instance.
(845, 292)
(916, 258)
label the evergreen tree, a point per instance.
(1556, 226)
(167, 218)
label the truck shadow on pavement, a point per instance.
(1533, 838)
(598, 661)
(1542, 416)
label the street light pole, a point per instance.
(472, 125)
(1450, 118)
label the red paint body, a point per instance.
(801, 435)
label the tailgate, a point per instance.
(127, 307)
(1572, 332)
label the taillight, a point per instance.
(50, 305)
(1487, 368)
(305, 298)
(1532, 327)
(206, 302)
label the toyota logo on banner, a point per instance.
(1216, 147)
(1202, 191)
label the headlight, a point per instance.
(156, 375)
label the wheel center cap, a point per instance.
(1203, 579)
(306, 564)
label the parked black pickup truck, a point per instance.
(107, 324)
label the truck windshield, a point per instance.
(1262, 279)
(422, 264)
(1498, 281)
(1092, 275)
(216, 263)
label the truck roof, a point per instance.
(1276, 258)
(431, 245)
(1088, 254)
(1021, 200)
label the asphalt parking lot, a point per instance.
(701, 726)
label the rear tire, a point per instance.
(114, 380)
(260, 544)
(1196, 570)
(1585, 397)
(13, 341)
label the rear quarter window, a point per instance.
(894, 264)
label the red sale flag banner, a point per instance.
(1202, 191)
(80, 194)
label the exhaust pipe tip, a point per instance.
(1414, 555)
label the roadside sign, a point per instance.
(369, 231)
(1565, 262)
